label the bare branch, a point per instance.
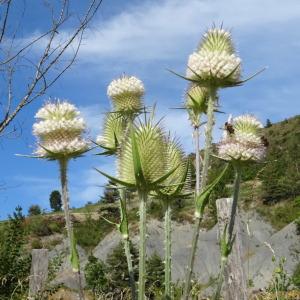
(49, 59)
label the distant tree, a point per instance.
(110, 195)
(268, 123)
(34, 210)
(55, 201)
(14, 260)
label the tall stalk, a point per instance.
(201, 185)
(142, 245)
(168, 242)
(236, 191)
(229, 234)
(63, 164)
(126, 242)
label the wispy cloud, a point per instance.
(163, 30)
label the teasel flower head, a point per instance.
(178, 184)
(196, 103)
(59, 130)
(126, 94)
(149, 141)
(113, 131)
(243, 142)
(215, 63)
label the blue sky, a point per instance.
(144, 38)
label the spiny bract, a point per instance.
(126, 93)
(152, 150)
(244, 142)
(175, 160)
(59, 131)
(113, 132)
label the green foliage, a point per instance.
(90, 232)
(14, 261)
(281, 176)
(117, 270)
(155, 276)
(43, 226)
(34, 210)
(280, 280)
(95, 275)
(296, 276)
(55, 201)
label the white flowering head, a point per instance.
(242, 141)
(196, 103)
(59, 131)
(113, 132)
(126, 94)
(215, 62)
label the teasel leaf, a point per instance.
(116, 180)
(203, 197)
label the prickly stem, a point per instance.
(142, 245)
(168, 242)
(203, 183)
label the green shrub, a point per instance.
(95, 275)
(38, 225)
(36, 244)
(296, 276)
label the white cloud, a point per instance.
(162, 30)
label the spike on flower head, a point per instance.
(113, 131)
(126, 94)
(151, 146)
(217, 39)
(59, 131)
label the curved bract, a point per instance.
(113, 131)
(59, 131)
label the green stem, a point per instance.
(203, 183)
(197, 149)
(63, 164)
(142, 245)
(168, 242)
(236, 191)
(126, 242)
(208, 137)
(220, 279)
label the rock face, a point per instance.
(257, 256)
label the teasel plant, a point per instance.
(214, 65)
(142, 165)
(126, 94)
(241, 145)
(59, 130)
(176, 186)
